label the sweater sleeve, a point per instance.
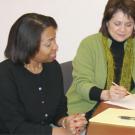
(84, 65)
(95, 93)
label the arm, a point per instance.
(73, 123)
(84, 68)
(62, 103)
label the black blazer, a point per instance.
(29, 102)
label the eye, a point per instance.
(47, 44)
(129, 24)
(117, 23)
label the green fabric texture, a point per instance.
(126, 67)
(89, 69)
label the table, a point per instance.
(106, 129)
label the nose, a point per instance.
(122, 28)
(55, 46)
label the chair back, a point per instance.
(67, 74)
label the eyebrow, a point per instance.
(124, 22)
(51, 38)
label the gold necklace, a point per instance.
(34, 69)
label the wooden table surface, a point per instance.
(107, 129)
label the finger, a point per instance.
(123, 89)
(73, 131)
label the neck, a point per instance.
(34, 67)
(115, 41)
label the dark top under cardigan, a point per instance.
(29, 102)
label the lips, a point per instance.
(53, 56)
(120, 35)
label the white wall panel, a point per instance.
(76, 19)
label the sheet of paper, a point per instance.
(126, 102)
(112, 116)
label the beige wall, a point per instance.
(76, 19)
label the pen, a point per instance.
(118, 85)
(127, 117)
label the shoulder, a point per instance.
(134, 42)
(6, 62)
(134, 46)
(91, 42)
(92, 38)
(52, 66)
(7, 68)
(5, 65)
(53, 70)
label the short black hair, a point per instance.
(25, 35)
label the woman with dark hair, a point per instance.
(103, 58)
(31, 85)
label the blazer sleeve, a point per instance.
(62, 106)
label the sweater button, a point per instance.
(46, 115)
(39, 88)
(43, 102)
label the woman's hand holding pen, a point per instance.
(117, 92)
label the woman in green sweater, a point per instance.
(103, 58)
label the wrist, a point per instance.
(105, 95)
(64, 122)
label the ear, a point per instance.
(134, 29)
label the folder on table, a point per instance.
(115, 116)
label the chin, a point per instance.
(120, 39)
(51, 60)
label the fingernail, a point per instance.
(82, 114)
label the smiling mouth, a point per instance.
(121, 35)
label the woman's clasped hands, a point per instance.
(75, 124)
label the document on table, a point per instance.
(115, 116)
(126, 102)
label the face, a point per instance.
(48, 46)
(120, 27)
